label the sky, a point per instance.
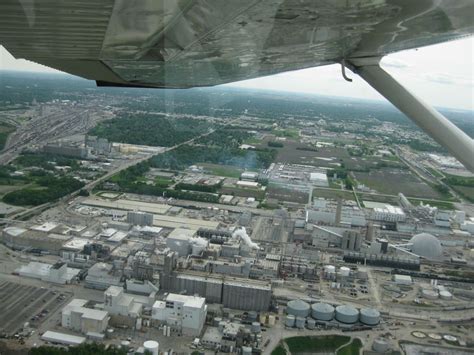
(442, 75)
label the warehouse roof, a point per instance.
(61, 338)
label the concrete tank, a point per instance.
(310, 323)
(298, 308)
(151, 346)
(246, 350)
(322, 311)
(300, 322)
(429, 294)
(369, 316)
(347, 314)
(252, 316)
(380, 345)
(290, 321)
(445, 295)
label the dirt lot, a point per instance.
(287, 195)
(393, 181)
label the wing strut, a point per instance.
(443, 131)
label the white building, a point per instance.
(185, 313)
(77, 317)
(319, 179)
(58, 273)
(117, 302)
(388, 213)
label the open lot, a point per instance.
(333, 194)
(392, 181)
(282, 194)
(24, 303)
(293, 152)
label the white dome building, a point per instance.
(426, 245)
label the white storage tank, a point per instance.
(330, 272)
(298, 308)
(271, 320)
(246, 350)
(310, 323)
(347, 314)
(345, 271)
(322, 311)
(151, 346)
(429, 294)
(445, 295)
(290, 321)
(300, 322)
(369, 316)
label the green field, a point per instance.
(444, 205)
(279, 350)
(5, 130)
(333, 194)
(318, 344)
(351, 349)
(222, 170)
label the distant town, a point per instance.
(223, 220)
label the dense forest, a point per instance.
(153, 130)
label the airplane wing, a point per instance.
(187, 43)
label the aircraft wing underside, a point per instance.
(186, 43)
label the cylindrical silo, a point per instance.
(290, 321)
(300, 322)
(271, 320)
(151, 346)
(369, 316)
(347, 314)
(445, 295)
(216, 321)
(310, 323)
(298, 308)
(430, 294)
(252, 316)
(322, 311)
(380, 345)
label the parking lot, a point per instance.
(25, 303)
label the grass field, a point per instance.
(318, 344)
(351, 349)
(222, 170)
(279, 350)
(392, 181)
(5, 130)
(333, 194)
(282, 194)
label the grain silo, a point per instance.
(347, 314)
(322, 311)
(369, 316)
(298, 308)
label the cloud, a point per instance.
(448, 79)
(390, 62)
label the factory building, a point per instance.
(388, 213)
(186, 314)
(98, 145)
(140, 218)
(117, 302)
(21, 238)
(101, 275)
(327, 212)
(246, 295)
(77, 317)
(208, 287)
(58, 273)
(66, 150)
(249, 176)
